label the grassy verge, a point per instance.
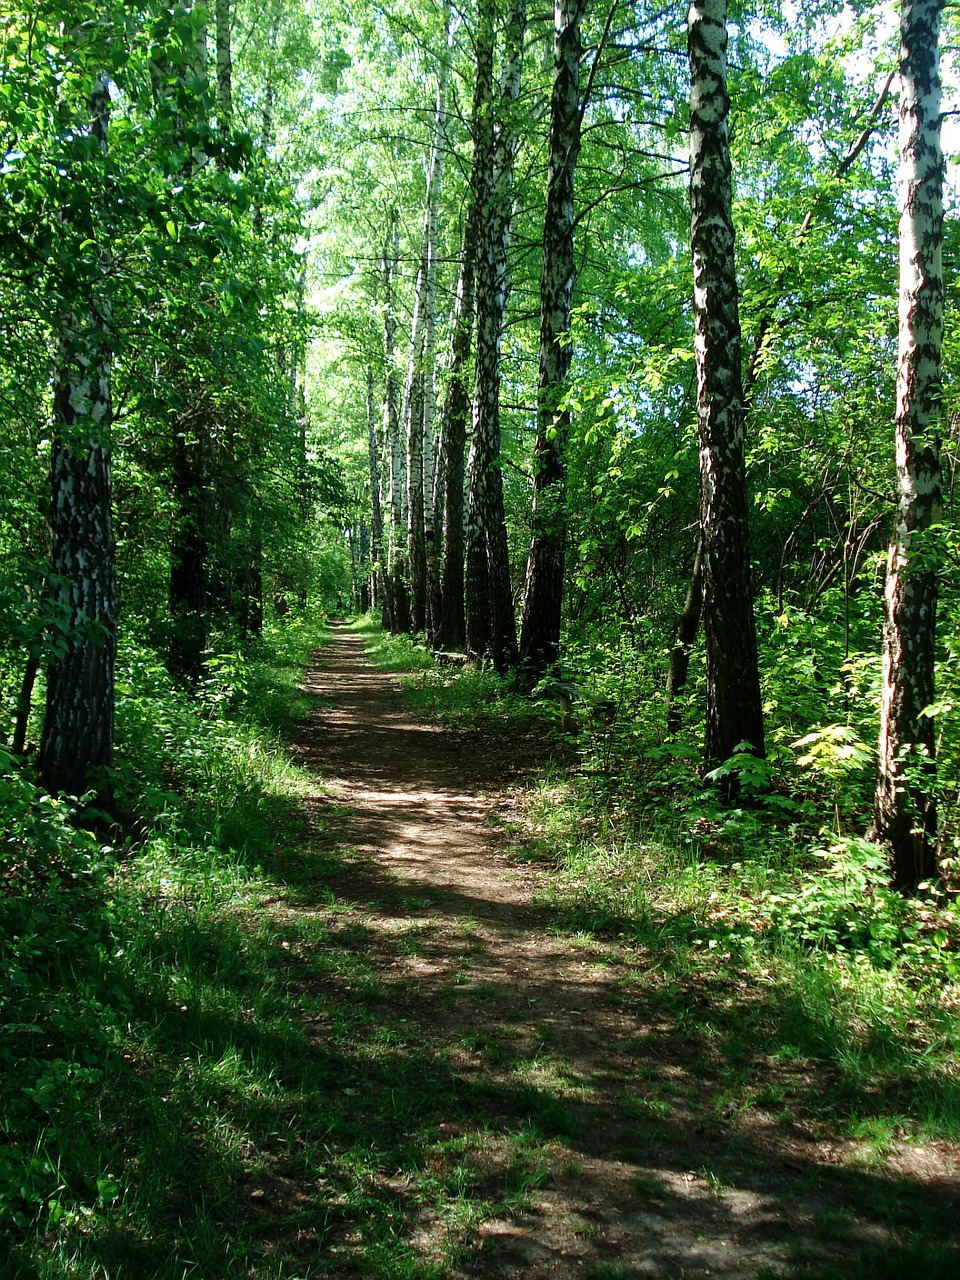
(136, 989)
(467, 696)
(797, 954)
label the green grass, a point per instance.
(789, 958)
(469, 697)
(197, 1079)
(200, 1078)
(392, 652)
(801, 951)
(911, 1261)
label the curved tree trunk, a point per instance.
(734, 709)
(906, 815)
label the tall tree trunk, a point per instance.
(376, 513)
(689, 622)
(77, 738)
(456, 414)
(486, 521)
(396, 576)
(431, 244)
(194, 577)
(734, 708)
(543, 593)
(419, 411)
(416, 550)
(906, 815)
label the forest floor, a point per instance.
(535, 1106)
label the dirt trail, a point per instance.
(646, 1174)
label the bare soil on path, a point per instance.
(630, 1163)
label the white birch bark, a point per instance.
(489, 604)
(543, 591)
(906, 816)
(77, 740)
(734, 709)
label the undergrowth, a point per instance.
(777, 899)
(200, 1079)
(111, 940)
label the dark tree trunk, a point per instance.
(376, 512)
(543, 594)
(906, 815)
(77, 739)
(734, 708)
(686, 634)
(486, 515)
(250, 584)
(189, 559)
(456, 414)
(456, 410)
(24, 701)
(224, 68)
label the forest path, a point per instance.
(532, 1113)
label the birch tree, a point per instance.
(419, 397)
(906, 815)
(377, 594)
(398, 600)
(489, 602)
(77, 736)
(543, 593)
(456, 415)
(734, 712)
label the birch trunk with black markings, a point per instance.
(906, 814)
